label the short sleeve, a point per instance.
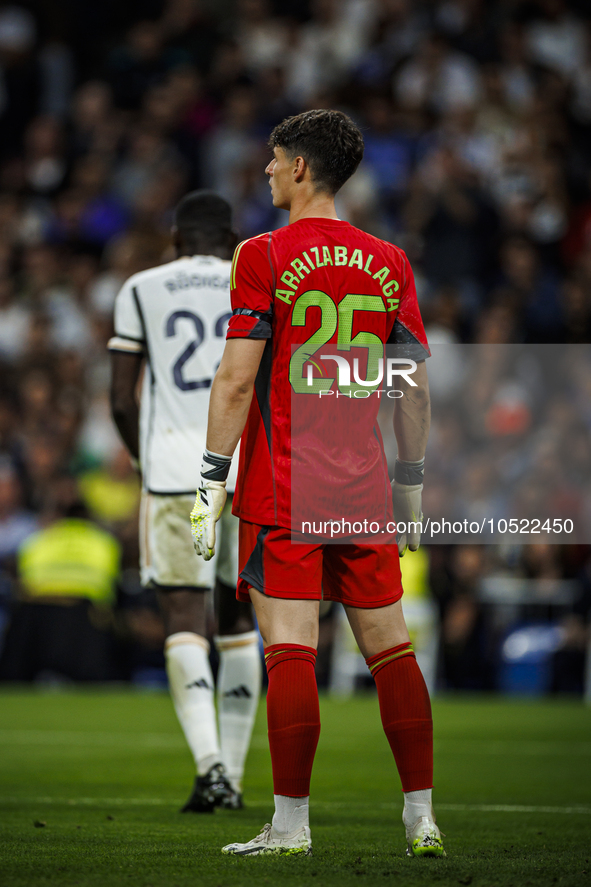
(129, 329)
(408, 332)
(251, 290)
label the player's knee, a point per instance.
(236, 623)
(234, 617)
(183, 610)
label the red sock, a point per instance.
(405, 708)
(293, 717)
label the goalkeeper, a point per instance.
(292, 291)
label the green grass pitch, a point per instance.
(105, 772)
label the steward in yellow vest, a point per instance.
(72, 558)
(61, 623)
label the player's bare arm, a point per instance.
(229, 404)
(231, 394)
(412, 416)
(125, 371)
(412, 420)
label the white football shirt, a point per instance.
(177, 315)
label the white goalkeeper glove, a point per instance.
(407, 491)
(209, 502)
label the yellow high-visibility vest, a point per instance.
(70, 558)
(414, 567)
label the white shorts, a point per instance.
(167, 555)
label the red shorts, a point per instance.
(365, 576)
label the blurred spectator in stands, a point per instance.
(123, 256)
(580, 100)
(576, 307)
(148, 157)
(44, 284)
(190, 29)
(455, 222)
(15, 320)
(552, 563)
(37, 395)
(198, 110)
(228, 149)
(93, 119)
(45, 163)
(534, 291)
(479, 497)
(515, 71)
(138, 63)
(438, 79)
(20, 75)
(102, 214)
(325, 50)
(261, 36)
(273, 103)
(394, 35)
(454, 579)
(389, 153)
(9, 412)
(557, 38)
(16, 522)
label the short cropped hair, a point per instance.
(203, 217)
(328, 141)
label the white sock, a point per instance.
(417, 804)
(291, 814)
(239, 687)
(191, 687)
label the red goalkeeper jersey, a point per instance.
(313, 287)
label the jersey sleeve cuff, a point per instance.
(408, 344)
(247, 324)
(122, 343)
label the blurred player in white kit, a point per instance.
(174, 318)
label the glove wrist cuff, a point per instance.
(409, 473)
(215, 467)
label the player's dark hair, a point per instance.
(203, 222)
(329, 142)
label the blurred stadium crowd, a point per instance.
(477, 123)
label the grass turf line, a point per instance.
(107, 772)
